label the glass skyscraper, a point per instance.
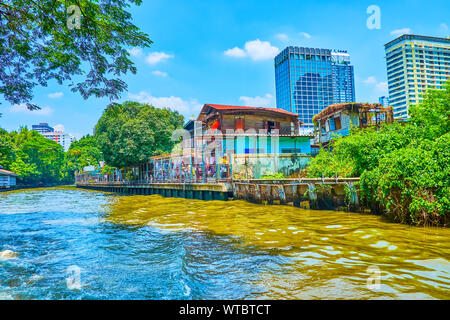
(343, 77)
(308, 80)
(415, 63)
(384, 101)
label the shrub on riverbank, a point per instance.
(403, 166)
(413, 183)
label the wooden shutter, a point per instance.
(239, 123)
(337, 123)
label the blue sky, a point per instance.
(222, 52)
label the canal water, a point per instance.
(76, 244)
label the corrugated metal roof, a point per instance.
(227, 107)
(337, 107)
(4, 172)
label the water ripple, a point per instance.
(150, 247)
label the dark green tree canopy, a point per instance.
(130, 133)
(36, 46)
(82, 153)
(36, 159)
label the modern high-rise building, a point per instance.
(384, 101)
(64, 139)
(343, 77)
(308, 80)
(415, 63)
(42, 128)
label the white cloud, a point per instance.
(266, 101)
(378, 87)
(159, 73)
(370, 80)
(135, 52)
(443, 29)
(55, 95)
(59, 127)
(382, 87)
(23, 109)
(399, 32)
(235, 53)
(185, 107)
(256, 50)
(282, 36)
(306, 35)
(157, 57)
(261, 50)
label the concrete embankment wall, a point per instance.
(321, 194)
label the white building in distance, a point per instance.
(64, 139)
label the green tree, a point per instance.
(36, 46)
(432, 116)
(130, 133)
(6, 148)
(413, 183)
(82, 153)
(35, 159)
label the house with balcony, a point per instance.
(252, 139)
(338, 119)
(250, 130)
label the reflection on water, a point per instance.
(150, 247)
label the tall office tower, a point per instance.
(415, 63)
(384, 101)
(343, 77)
(304, 81)
(42, 128)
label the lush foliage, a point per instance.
(413, 183)
(360, 151)
(130, 133)
(82, 153)
(126, 134)
(405, 167)
(37, 45)
(35, 159)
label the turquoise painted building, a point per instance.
(269, 145)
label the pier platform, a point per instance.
(200, 191)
